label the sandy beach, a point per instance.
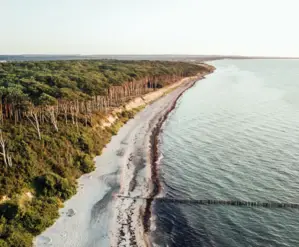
(98, 215)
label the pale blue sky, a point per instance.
(236, 27)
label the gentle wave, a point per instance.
(233, 136)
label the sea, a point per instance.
(232, 136)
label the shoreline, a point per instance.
(94, 202)
(155, 158)
(133, 216)
(155, 154)
(138, 216)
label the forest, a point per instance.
(42, 82)
(50, 130)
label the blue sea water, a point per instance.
(233, 136)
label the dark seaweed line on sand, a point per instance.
(154, 140)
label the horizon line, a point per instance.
(170, 54)
(130, 54)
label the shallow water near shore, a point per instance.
(233, 136)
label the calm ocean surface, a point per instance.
(233, 136)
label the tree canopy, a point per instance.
(44, 81)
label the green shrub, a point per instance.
(113, 129)
(85, 163)
(52, 185)
(9, 210)
(85, 143)
(3, 243)
(33, 222)
(19, 239)
(125, 115)
(42, 212)
(3, 227)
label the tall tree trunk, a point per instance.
(6, 158)
(53, 119)
(35, 123)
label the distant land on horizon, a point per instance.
(48, 57)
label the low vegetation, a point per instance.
(48, 168)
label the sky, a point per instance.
(222, 27)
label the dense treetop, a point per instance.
(45, 81)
